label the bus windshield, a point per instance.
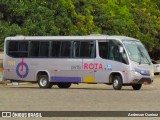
(137, 51)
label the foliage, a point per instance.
(134, 18)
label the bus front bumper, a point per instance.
(143, 80)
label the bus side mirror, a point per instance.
(121, 49)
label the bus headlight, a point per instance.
(135, 73)
(152, 72)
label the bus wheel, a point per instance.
(117, 82)
(63, 85)
(43, 82)
(137, 86)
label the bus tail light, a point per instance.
(145, 82)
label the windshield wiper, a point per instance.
(143, 55)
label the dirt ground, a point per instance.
(82, 97)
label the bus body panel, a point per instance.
(65, 70)
(109, 67)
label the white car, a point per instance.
(156, 67)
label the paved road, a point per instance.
(82, 97)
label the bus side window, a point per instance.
(23, 49)
(44, 49)
(103, 50)
(92, 49)
(76, 49)
(114, 53)
(66, 49)
(12, 46)
(34, 49)
(84, 50)
(17, 49)
(87, 50)
(55, 48)
(61, 49)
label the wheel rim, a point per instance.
(115, 83)
(43, 82)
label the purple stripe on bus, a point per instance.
(66, 79)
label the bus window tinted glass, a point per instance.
(44, 49)
(87, 50)
(103, 49)
(114, 53)
(18, 48)
(23, 49)
(23, 46)
(76, 48)
(34, 49)
(13, 46)
(55, 49)
(65, 49)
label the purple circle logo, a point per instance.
(22, 70)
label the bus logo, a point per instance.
(22, 70)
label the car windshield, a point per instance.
(137, 51)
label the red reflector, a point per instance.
(145, 82)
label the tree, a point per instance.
(134, 18)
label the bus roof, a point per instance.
(88, 37)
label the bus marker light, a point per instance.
(125, 71)
(145, 82)
(8, 70)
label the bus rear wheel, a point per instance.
(137, 86)
(63, 85)
(117, 82)
(43, 82)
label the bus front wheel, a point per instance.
(43, 82)
(137, 86)
(117, 82)
(63, 85)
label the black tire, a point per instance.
(136, 86)
(63, 85)
(43, 82)
(117, 82)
